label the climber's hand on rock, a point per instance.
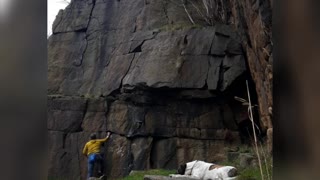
(108, 134)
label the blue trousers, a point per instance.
(92, 160)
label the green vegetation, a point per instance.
(245, 173)
(253, 172)
(137, 175)
(250, 174)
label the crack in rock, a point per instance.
(86, 32)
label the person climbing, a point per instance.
(92, 151)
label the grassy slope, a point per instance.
(138, 175)
(248, 173)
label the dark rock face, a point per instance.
(166, 94)
(253, 19)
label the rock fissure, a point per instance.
(64, 137)
(85, 110)
(138, 48)
(63, 155)
(209, 51)
(140, 135)
(207, 77)
(87, 35)
(221, 77)
(79, 162)
(126, 73)
(185, 40)
(135, 21)
(165, 6)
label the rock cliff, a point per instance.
(164, 86)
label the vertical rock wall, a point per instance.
(253, 19)
(138, 68)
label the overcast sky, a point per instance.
(53, 8)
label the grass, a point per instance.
(137, 175)
(252, 172)
(246, 173)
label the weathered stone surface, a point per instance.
(161, 60)
(172, 118)
(163, 154)
(234, 47)
(219, 45)
(165, 89)
(94, 121)
(126, 119)
(258, 48)
(66, 154)
(66, 103)
(233, 67)
(66, 113)
(69, 121)
(75, 17)
(118, 157)
(114, 78)
(64, 57)
(198, 42)
(58, 165)
(206, 150)
(214, 72)
(192, 94)
(141, 150)
(117, 118)
(97, 105)
(228, 118)
(203, 122)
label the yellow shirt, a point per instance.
(93, 146)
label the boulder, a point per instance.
(247, 160)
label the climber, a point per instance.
(92, 151)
